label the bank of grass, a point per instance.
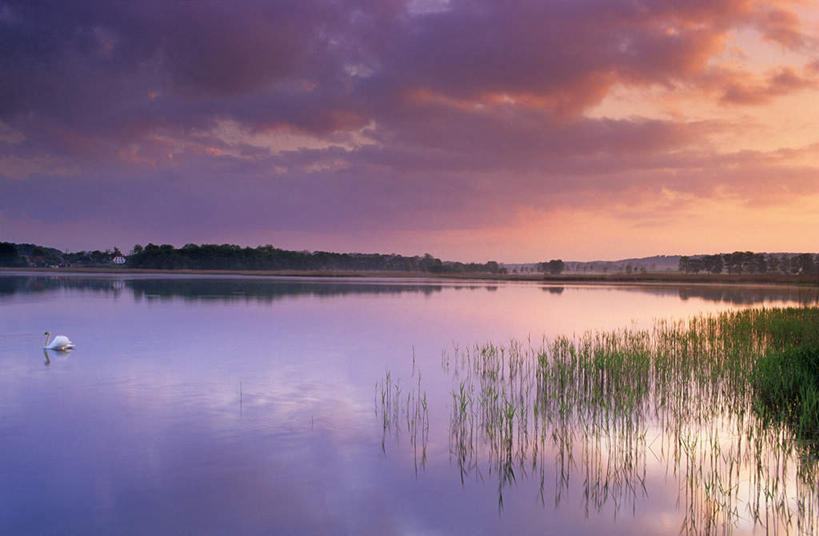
(786, 389)
(765, 358)
(762, 361)
(785, 374)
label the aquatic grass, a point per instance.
(390, 405)
(786, 384)
(589, 403)
(727, 401)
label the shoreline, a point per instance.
(811, 280)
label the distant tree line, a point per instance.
(232, 257)
(19, 255)
(747, 262)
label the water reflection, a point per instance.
(408, 411)
(57, 354)
(245, 405)
(203, 288)
(600, 411)
(748, 295)
(237, 288)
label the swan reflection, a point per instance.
(59, 355)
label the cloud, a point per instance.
(321, 115)
(106, 69)
(780, 25)
(784, 81)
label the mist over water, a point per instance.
(239, 405)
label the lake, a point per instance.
(240, 405)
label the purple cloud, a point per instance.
(203, 118)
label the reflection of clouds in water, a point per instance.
(286, 401)
(155, 432)
(198, 462)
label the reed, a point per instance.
(730, 402)
(390, 406)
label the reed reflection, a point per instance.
(602, 410)
(408, 411)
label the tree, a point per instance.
(692, 264)
(713, 263)
(431, 264)
(758, 263)
(734, 262)
(805, 263)
(554, 266)
(9, 255)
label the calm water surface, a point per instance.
(252, 406)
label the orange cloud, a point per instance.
(779, 25)
(786, 80)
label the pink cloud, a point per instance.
(472, 112)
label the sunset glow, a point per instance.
(471, 130)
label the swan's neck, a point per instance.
(47, 336)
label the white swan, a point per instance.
(60, 342)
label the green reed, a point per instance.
(728, 401)
(391, 405)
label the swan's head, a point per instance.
(47, 333)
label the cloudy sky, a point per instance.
(470, 129)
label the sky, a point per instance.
(469, 129)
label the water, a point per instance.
(196, 405)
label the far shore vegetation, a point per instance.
(736, 267)
(232, 257)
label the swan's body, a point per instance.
(60, 342)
